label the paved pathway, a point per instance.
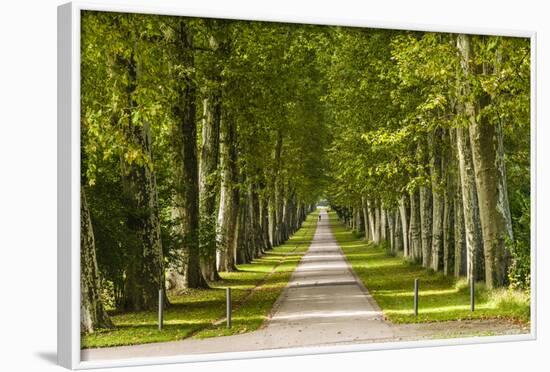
(323, 304)
(324, 301)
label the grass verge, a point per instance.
(390, 280)
(255, 288)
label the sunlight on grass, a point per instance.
(255, 288)
(396, 293)
(390, 280)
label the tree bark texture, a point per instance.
(144, 274)
(472, 226)
(186, 172)
(229, 196)
(414, 228)
(485, 143)
(426, 225)
(92, 313)
(438, 206)
(208, 183)
(404, 225)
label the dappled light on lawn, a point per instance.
(194, 312)
(390, 280)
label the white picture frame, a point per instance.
(68, 163)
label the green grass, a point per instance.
(390, 280)
(255, 288)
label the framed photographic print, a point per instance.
(241, 186)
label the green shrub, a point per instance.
(519, 272)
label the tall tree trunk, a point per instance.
(404, 226)
(144, 274)
(92, 313)
(500, 165)
(470, 206)
(391, 228)
(377, 222)
(285, 215)
(398, 232)
(383, 224)
(209, 159)
(415, 246)
(186, 272)
(449, 175)
(256, 222)
(448, 233)
(460, 249)
(438, 206)
(358, 223)
(229, 196)
(374, 233)
(366, 218)
(273, 220)
(242, 235)
(208, 183)
(503, 201)
(448, 238)
(490, 180)
(352, 219)
(363, 228)
(455, 193)
(264, 211)
(279, 192)
(426, 225)
(301, 215)
(289, 208)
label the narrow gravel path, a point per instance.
(324, 303)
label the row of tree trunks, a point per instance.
(255, 224)
(254, 214)
(455, 216)
(250, 217)
(443, 226)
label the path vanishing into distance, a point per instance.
(324, 303)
